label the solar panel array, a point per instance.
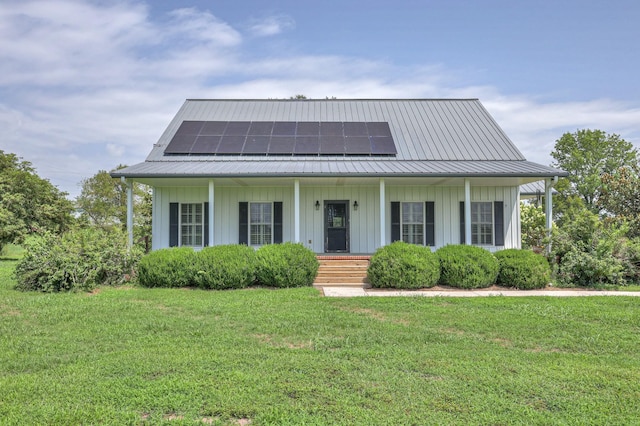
(282, 138)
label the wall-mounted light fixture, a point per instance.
(355, 205)
(317, 205)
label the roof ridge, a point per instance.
(329, 100)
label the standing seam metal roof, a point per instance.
(432, 136)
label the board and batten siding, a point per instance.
(364, 223)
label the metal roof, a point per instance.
(433, 137)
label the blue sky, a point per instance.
(87, 85)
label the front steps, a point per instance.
(343, 271)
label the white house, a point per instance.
(339, 176)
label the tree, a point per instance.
(103, 201)
(29, 203)
(587, 155)
(620, 197)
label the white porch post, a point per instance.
(467, 211)
(296, 210)
(129, 184)
(548, 184)
(211, 209)
(383, 216)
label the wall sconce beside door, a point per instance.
(317, 205)
(355, 205)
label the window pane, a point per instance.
(260, 220)
(413, 223)
(482, 223)
(191, 225)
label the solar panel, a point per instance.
(357, 145)
(284, 128)
(237, 128)
(355, 129)
(205, 145)
(378, 129)
(261, 128)
(281, 145)
(331, 128)
(308, 128)
(190, 127)
(383, 146)
(332, 145)
(180, 144)
(230, 145)
(282, 138)
(256, 145)
(213, 128)
(306, 145)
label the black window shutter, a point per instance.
(243, 234)
(277, 222)
(395, 221)
(430, 225)
(462, 227)
(173, 224)
(498, 223)
(206, 224)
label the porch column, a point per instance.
(383, 216)
(467, 211)
(548, 184)
(129, 184)
(211, 209)
(296, 210)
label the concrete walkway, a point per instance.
(360, 292)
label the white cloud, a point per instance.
(271, 25)
(86, 86)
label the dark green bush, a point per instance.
(465, 266)
(80, 259)
(170, 267)
(286, 265)
(402, 265)
(225, 267)
(523, 269)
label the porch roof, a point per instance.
(354, 168)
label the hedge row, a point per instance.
(229, 266)
(408, 266)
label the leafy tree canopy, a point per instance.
(587, 155)
(29, 203)
(103, 201)
(620, 197)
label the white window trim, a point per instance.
(424, 220)
(261, 223)
(180, 225)
(493, 223)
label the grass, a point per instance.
(167, 356)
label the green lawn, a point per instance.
(150, 356)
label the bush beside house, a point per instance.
(286, 265)
(465, 266)
(79, 259)
(405, 266)
(523, 269)
(225, 267)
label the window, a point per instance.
(482, 223)
(260, 223)
(191, 225)
(413, 223)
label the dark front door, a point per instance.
(336, 226)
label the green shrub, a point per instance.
(465, 266)
(590, 269)
(523, 269)
(170, 267)
(286, 265)
(402, 265)
(79, 259)
(225, 267)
